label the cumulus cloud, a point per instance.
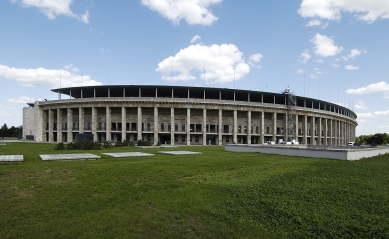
(6, 107)
(72, 68)
(219, 60)
(54, 8)
(360, 105)
(375, 114)
(320, 61)
(335, 65)
(22, 100)
(372, 88)
(195, 38)
(193, 11)
(325, 46)
(354, 52)
(313, 23)
(254, 59)
(304, 57)
(4, 113)
(368, 11)
(300, 71)
(42, 76)
(351, 67)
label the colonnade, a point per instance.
(211, 126)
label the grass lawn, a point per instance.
(214, 195)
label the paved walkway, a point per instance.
(178, 152)
(128, 154)
(58, 157)
(11, 158)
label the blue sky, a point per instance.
(334, 50)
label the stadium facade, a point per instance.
(180, 115)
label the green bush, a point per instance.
(80, 145)
(121, 144)
(60, 146)
(132, 143)
(107, 144)
(143, 143)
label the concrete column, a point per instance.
(249, 127)
(235, 132)
(51, 125)
(204, 126)
(220, 126)
(70, 124)
(188, 126)
(338, 133)
(173, 126)
(331, 133)
(286, 128)
(319, 129)
(94, 124)
(313, 130)
(262, 140)
(124, 127)
(305, 141)
(296, 130)
(59, 125)
(108, 123)
(139, 124)
(325, 132)
(275, 127)
(156, 126)
(81, 120)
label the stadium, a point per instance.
(179, 115)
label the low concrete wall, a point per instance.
(304, 151)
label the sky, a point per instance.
(332, 50)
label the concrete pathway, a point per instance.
(59, 157)
(128, 154)
(11, 158)
(178, 152)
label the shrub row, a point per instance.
(83, 144)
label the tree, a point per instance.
(4, 130)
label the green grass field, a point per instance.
(214, 195)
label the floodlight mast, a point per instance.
(290, 134)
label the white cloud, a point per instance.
(195, 38)
(6, 107)
(320, 61)
(54, 8)
(325, 25)
(300, 71)
(193, 11)
(368, 11)
(373, 88)
(360, 105)
(313, 23)
(220, 61)
(313, 76)
(351, 67)
(72, 68)
(304, 57)
(375, 114)
(325, 46)
(384, 127)
(354, 52)
(255, 58)
(4, 113)
(22, 100)
(42, 76)
(335, 65)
